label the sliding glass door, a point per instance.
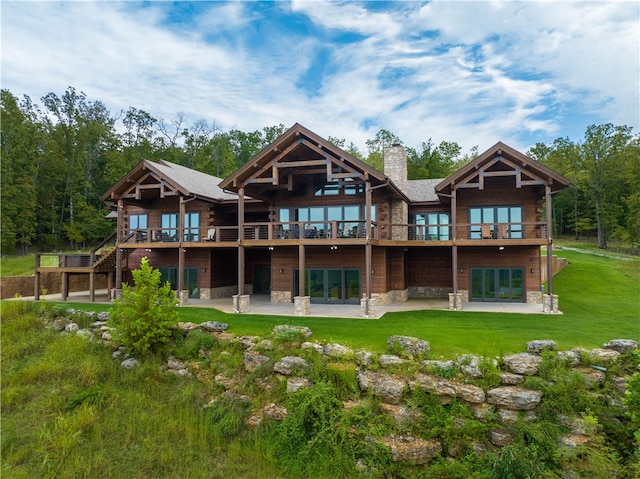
(497, 284)
(330, 285)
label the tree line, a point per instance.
(60, 156)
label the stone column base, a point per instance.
(455, 301)
(241, 303)
(183, 297)
(301, 305)
(368, 308)
(546, 304)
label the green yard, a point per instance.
(599, 296)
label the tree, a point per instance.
(144, 318)
(376, 146)
(21, 151)
(603, 158)
(430, 161)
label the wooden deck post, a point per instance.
(36, 283)
(64, 286)
(301, 270)
(241, 258)
(547, 193)
(367, 247)
(120, 225)
(454, 250)
(181, 253)
(92, 286)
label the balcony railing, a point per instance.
(344, 230)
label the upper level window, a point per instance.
(191, 226)
(436, 226)
(496, 222)
(169, 225)
(341, 220)
(346, 187)
(138, 222)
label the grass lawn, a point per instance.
(599, 296)
(17, 265)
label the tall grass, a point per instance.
(70, 410)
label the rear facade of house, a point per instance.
(306, 222)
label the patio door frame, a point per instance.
(331, 285)
(497, 284)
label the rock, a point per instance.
(445, 387)
(291, 365)
(572, 357)
(98, 324)
(247, 342)
(295, 384)
(510, 417)
(604, 356)
(289, 330)
(337, 350)
(274, 412)
(469, 365)
(433, 364)
(364, 358)
(180, 372)
(318, 348)
(408, 345)
(103, 316)
(411, 450)
(400, 414)
(85, 333)
(619, 384)
(173, 363)
(621, 345)
(71, 327)
(265, 345)
(106, 336)
(387, 360)
(500, 437)
(117, 354)
(573, 440)
(523, 363)
(539, 345)
(482, 410)
(510, 379)
(130, 363)
(225, 381)
(186, 326)
(386, 386)
(214, 326)
(518, 399)
(254, 360)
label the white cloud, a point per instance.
(471, 72)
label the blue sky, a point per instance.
(473, 72)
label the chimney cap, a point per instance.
(396, 144)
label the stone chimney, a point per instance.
(395, 167)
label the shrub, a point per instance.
(145, 315)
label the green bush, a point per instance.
(145, 316)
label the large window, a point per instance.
(169, 225)
(436, 226)
(496, 222)
(138, 225)
(325, 221)
(191, 226)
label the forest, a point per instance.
(58, 157)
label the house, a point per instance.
(306, 222)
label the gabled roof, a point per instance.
(299, 151)
(421, 191)
(170, 177)
(502, 160)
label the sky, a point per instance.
(474, 72)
